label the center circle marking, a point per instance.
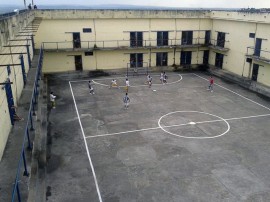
(193, 123)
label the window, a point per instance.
(8, 70)
(221, 39)
(207, 39)
(186, 57)
(136, 39)
(252, 35)
(87, 30)
(88, 53)
(162, 38)
(136, 60)
(162, 59)
(187, 37)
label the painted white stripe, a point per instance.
(235, 93)
(87, 150)
(184, 124)
(122, 77)
(129, 131)
(169, 83)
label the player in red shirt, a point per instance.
(211, 83)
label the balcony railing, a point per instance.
(219, 45)
(118, 44)
(258, 54)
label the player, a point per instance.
(127, 84)
(114, 84)
(126, 101)
(211, 83)
(161, 78)
(52, 100)
(165, 77)
(91, 89)
(149, 79)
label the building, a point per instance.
(84, 40)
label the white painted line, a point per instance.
(235, 93)
(190, 137)
(106, 85)
(129, 131)
(123, 77)
(87, 150)
(216, 120)
(184, 124)
(247, 117)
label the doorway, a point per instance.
(136, 60)
(255, 72)
(258, 45)
(205, 57)
(161, 59)
(185, 57)
(78, 62)
(219, 60)
(76, 40)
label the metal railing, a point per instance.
(219, 43)
(119, 44)
(26, 138)
(263, 54)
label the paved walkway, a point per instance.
(10, 159)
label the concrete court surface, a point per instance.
(176, 142)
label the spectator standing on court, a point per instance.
(211, 83)
(52, 100)
(91, 89)
(126, 100)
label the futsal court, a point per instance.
(175, 142)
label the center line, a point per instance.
(184, 124)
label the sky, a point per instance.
(166, 3)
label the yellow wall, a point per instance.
(8, 33)
(263, 75)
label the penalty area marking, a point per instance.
(106, 85)
(190, 123)
(122, 77)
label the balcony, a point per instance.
(66, 46)
(258, 55)
(218, 45)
